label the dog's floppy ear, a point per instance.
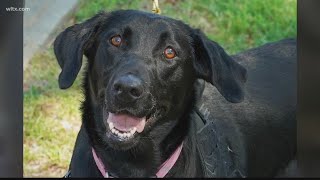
(70, 45)
(214, 65)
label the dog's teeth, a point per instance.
(133, 130)
(111, 126)
(122, 134)
(113, 130)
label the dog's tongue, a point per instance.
(125, 122)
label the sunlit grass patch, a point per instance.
(51, 118)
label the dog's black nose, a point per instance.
(128, 87)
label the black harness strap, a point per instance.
(215, 155)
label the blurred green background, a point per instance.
(52, 116)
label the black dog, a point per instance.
(144, 83)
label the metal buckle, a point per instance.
(67, 175)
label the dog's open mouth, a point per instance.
(125, 126)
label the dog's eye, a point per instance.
(116, 40)
(169, 53)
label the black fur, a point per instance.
(264, 140)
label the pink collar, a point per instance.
(163, 170)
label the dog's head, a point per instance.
(141, 71)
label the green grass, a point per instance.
(52, 116)
(235, 24)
